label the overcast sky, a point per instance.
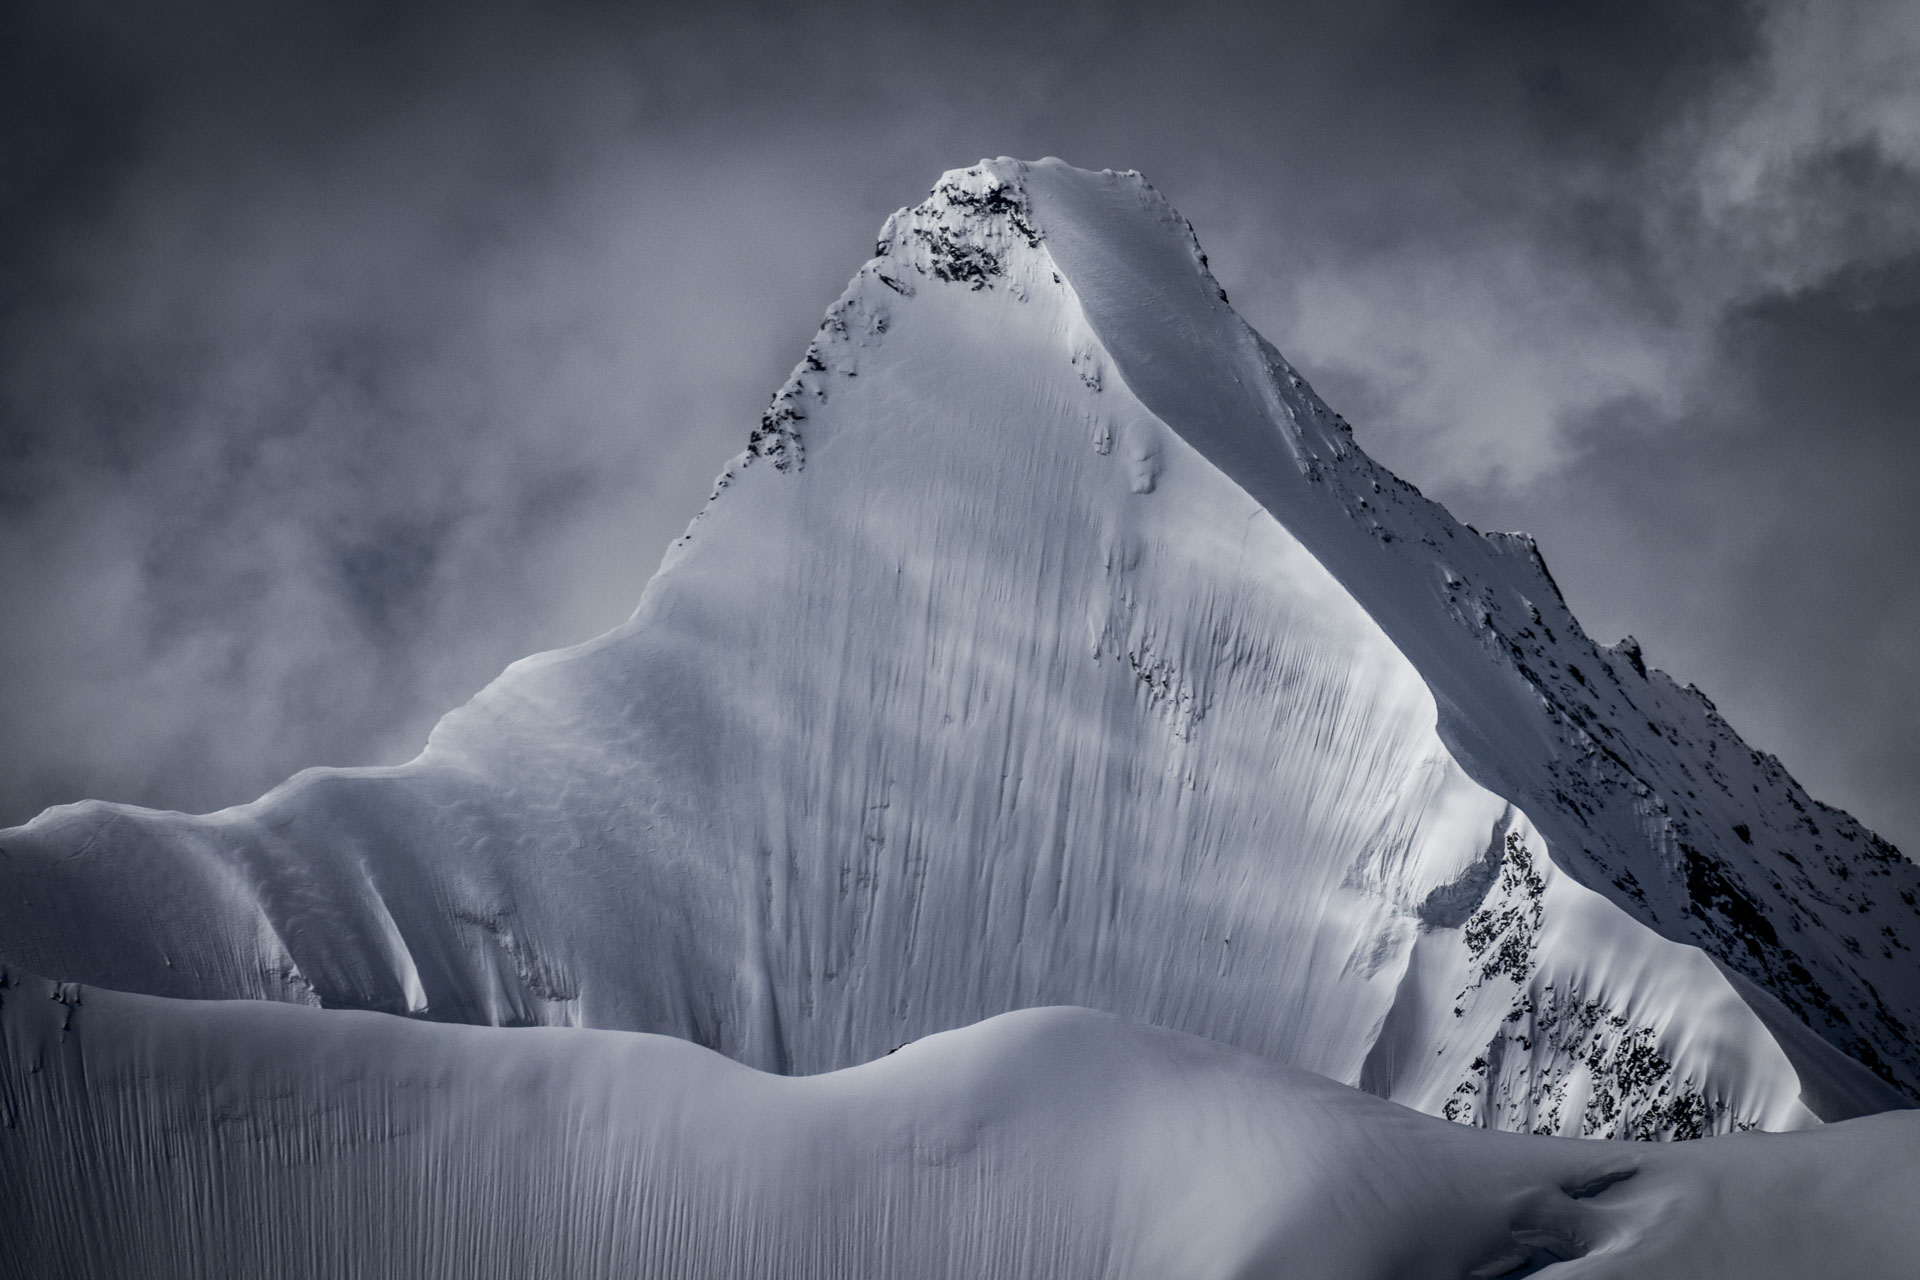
(349, 351)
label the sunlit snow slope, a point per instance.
(1054, 644)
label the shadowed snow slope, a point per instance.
(1053, 644)
(153, 1138)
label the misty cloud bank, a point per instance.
(346, 356)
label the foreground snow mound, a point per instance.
(152, 1138)
(1053, 644)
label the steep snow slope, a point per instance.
(1643, 790)
(150, 1138)
(1052, 644)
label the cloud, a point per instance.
(306, 442)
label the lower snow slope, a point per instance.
(1029, 657)
(148, 1139)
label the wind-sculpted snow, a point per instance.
(149, 1139)
(1053, 644)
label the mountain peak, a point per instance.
(1053, 643)
(962, 232)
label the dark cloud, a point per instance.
(351, 351)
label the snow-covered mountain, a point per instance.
(1053, 644)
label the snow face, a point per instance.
(156, 1138)
(1053, 644)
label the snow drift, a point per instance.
(153, 1139)
(1052, 643)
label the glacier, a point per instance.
(1051, 644)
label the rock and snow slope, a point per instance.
(1054, 644)
(150, 1139)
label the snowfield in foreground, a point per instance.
(1052, 644)
(246, 1140)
